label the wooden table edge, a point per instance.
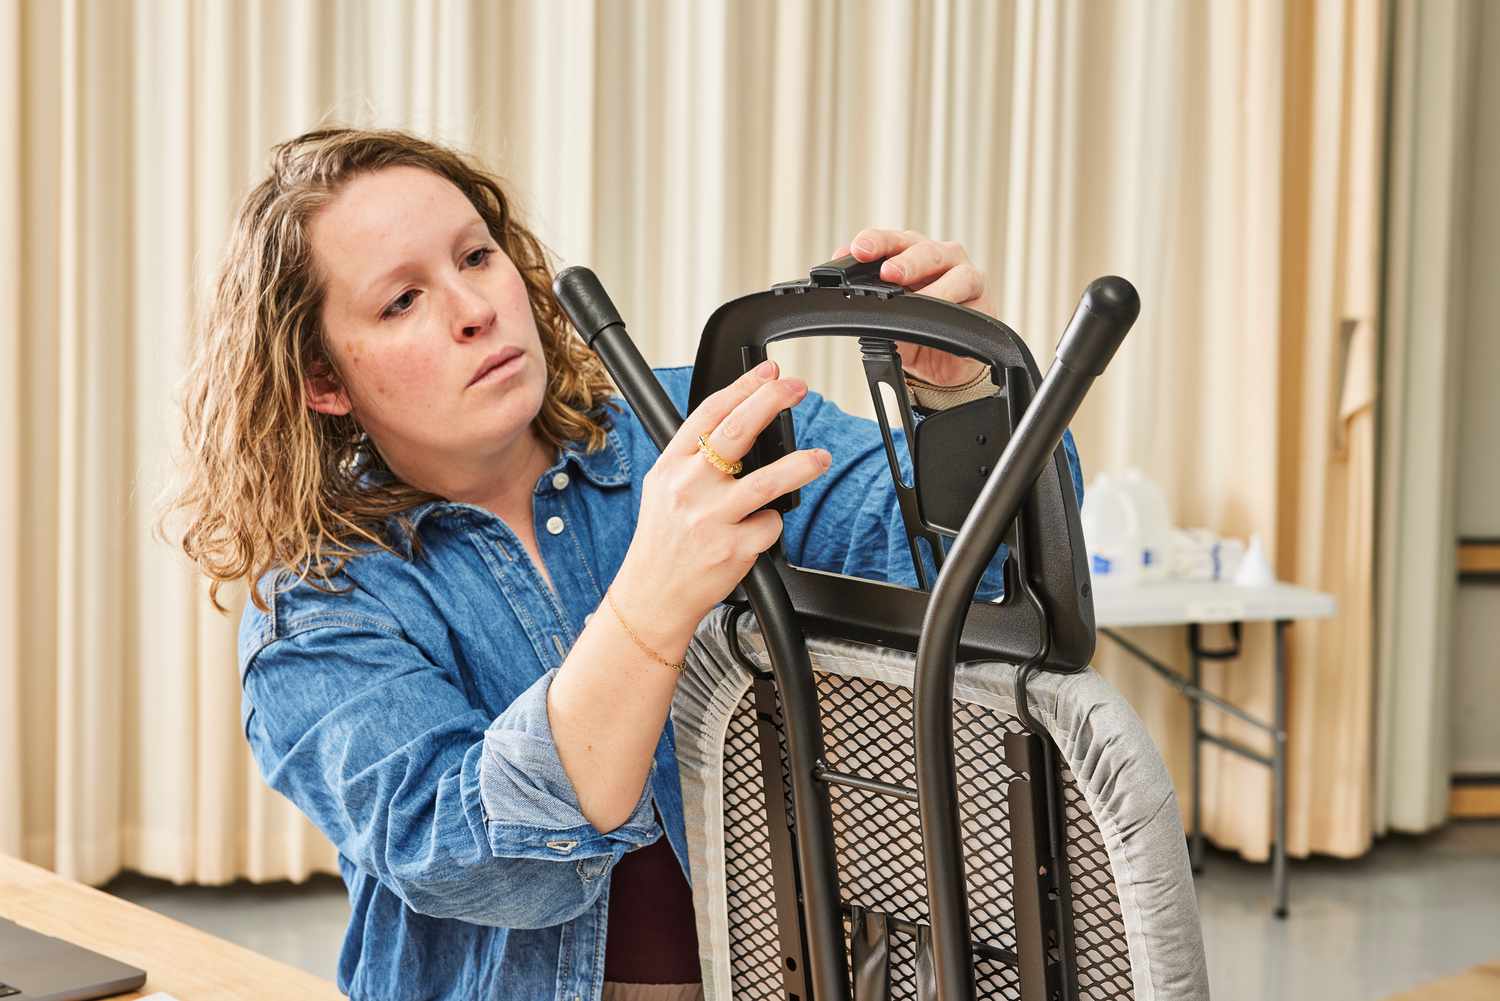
(186, 962)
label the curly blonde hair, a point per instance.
(269, 482)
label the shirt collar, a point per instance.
(608, 466)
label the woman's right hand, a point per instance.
(700, 530)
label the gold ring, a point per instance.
(719, 462)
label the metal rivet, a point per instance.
(555, 525)
(559, 481)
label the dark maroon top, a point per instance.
(652, 937)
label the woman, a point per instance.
(474, 578)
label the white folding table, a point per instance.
(1195, 604)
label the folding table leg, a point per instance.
(1278, 856)
(1195, 715)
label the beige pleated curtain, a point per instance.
(1223, 156)
(1437, 274)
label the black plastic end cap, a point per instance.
(1104, 316)
(583, 298)
(1114, 299)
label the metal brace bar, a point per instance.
(1035, 885)
(1236, 748)
(883, 367)
(990, 952)
(1276, 761)
(1185, 686)
(834, 778)
(783, 854)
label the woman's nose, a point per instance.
(474, 316)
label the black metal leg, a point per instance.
(1192, 689)
(1195, 714)
(1278, 757)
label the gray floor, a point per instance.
(1413, 910)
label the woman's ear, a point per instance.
(325, 393)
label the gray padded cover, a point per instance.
(1118, 770)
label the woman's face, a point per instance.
(420, 304)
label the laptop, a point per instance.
(37, 967)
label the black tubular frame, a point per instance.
(864, 308)
(1106, 313)
(1045, 619)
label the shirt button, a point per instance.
(555, 525)
(559, 481)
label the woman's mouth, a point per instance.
(499, 366)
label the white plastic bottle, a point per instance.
(1153, 522)
(1111, 532)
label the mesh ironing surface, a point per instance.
(868, 731)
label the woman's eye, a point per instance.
(477, 258)
(401, 303)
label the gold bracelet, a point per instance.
(679, 666)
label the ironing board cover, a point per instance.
(1137, 933)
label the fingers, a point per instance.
(869, 244)
(718, 406)
(734, 435)
(759, 532)
(790, 472)
(923, 262)
(911, 258)
(963, 284)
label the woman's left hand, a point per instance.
(938, 269)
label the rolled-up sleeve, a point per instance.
(460, 815)
(521, 779)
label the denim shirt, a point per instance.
(408, 717)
